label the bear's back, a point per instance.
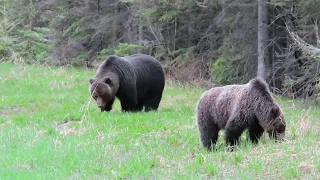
(144, 63)
(221, 101)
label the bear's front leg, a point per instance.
(128, 98)
(128, 104)
(255, 131)
(233, 130)
(128, 107)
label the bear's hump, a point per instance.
(259, 84)
(111, 61)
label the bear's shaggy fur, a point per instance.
(137, 81)
(235, 108)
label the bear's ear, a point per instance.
(108, 81)
(274, 112)
(91, 81)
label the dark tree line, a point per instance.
(226, 41)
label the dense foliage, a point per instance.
(214, 40)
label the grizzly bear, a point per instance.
(236, 108)
(137, 81)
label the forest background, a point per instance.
(215, 41)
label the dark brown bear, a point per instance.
(235, 108)
(136, 80)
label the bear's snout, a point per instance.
(105, 108)
(101, 107)
(280, 137)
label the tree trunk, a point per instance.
(316, 30)
(263, 54)
(140, 26)
(87, 7)
(115, 26)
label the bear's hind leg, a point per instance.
(208, 130)
(255, 131)
(208, 135)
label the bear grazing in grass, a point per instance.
(235, 108)
(136, 80)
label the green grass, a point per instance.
(50, 129)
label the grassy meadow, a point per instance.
(51, 129)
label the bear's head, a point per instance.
(277, 126)
(101, 91)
